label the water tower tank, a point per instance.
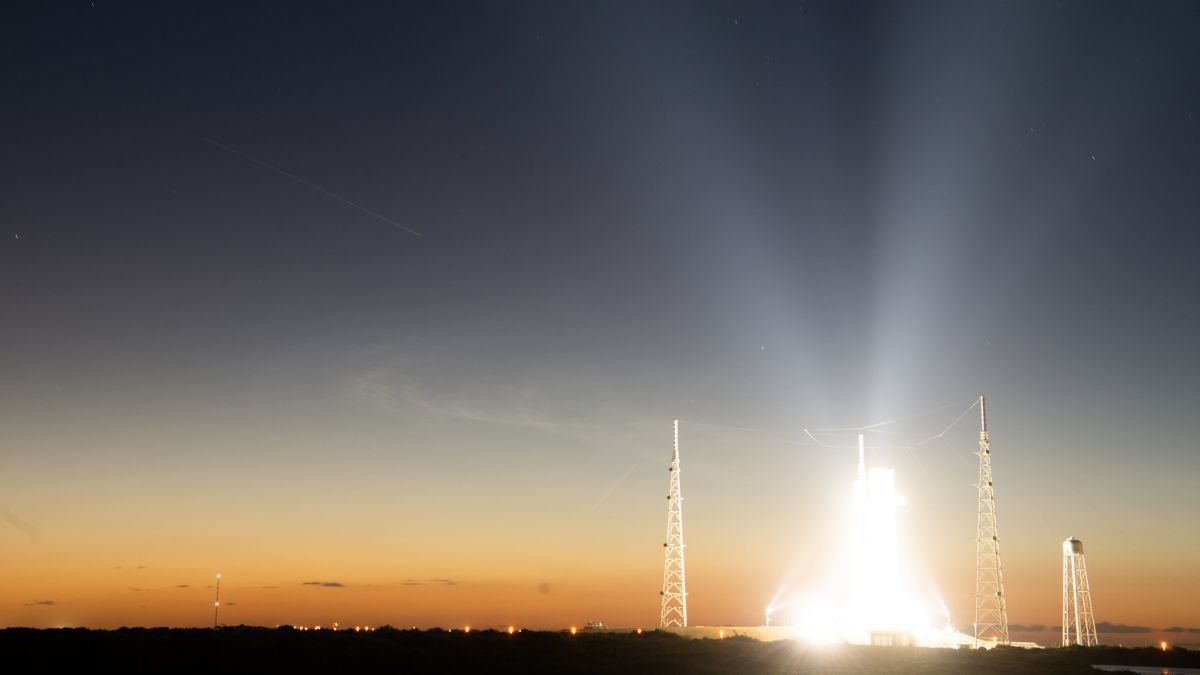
(1072, 546)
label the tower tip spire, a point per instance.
(862, 458)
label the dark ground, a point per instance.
(242, 649)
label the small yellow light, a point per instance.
(1163, 644)
(510, 630)
(572, 630)
(722, 633)
(467, 629)
(639, 631)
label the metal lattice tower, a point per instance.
(217, 603)
(991, 613)
(1078, 623)
(674, 590)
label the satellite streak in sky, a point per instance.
(318, 188)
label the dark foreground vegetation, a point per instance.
(244, 649)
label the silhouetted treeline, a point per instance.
(284, 650)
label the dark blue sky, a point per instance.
(771, 215)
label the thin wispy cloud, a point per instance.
(570, 402)
(326, 584)
(1120, 628)
(401, 386)
(41, 603)
(28, 529)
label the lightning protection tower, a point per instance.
(991, 614)
(1078, 623)
(217, 603)
(674, 590)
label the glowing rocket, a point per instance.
(876, 576)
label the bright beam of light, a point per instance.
(312, 186)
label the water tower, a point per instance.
(1078, 622)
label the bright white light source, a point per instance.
(872, 603)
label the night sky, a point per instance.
(576, 222)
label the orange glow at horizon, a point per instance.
(299, 551)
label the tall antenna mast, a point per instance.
(674, 591)
(1078, 622)
(217, 602)
(991, 613)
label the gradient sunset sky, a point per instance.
(754, 217)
